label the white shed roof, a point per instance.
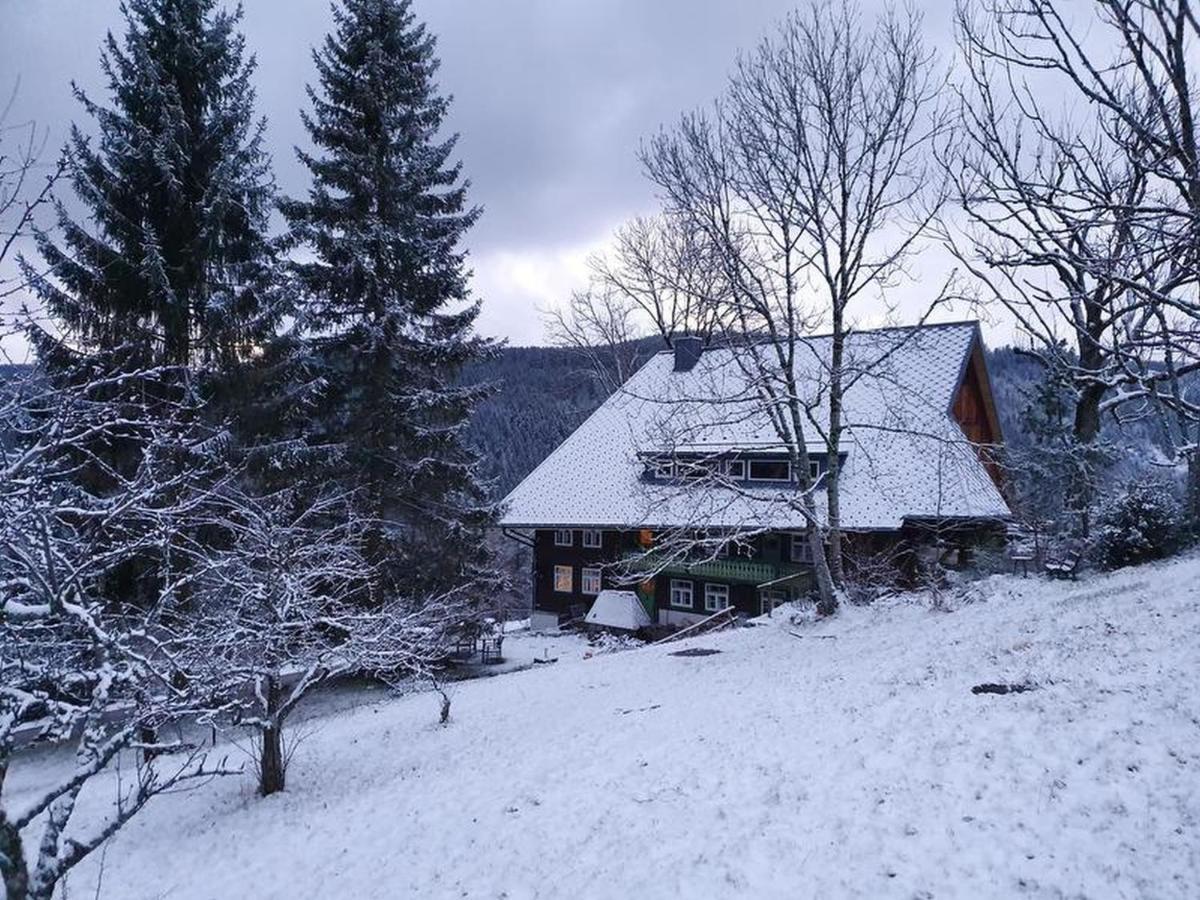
(905, 455)
(618, 609)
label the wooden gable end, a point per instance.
(975, 411)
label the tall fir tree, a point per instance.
(177, 268)
(386, 301)
(172, 278)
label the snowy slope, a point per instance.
(851, 761)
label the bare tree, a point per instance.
(1088, 230)
(659, 281)
(603, 327)
(810, 180)
(22, 192)
(75, 665)
(280, 611)
(668, 271)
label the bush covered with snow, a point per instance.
(1141, 523)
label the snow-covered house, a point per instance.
(687, 447)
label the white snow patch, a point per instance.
(845, 758)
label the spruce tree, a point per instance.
(385, 298)
(176, 267)
(169, 286)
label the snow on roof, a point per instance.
(618, 609)
(905, 455)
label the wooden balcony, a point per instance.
(731, 571)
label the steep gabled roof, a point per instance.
(905, 456)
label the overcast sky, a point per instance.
(551, 98)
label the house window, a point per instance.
(801, 550)
(564, 579)
(716, 597)
(736, 469)
(591, 538)
(696, 467)
(681, 593)
(564, 537)
(664, 468)
(770, 470)
(589, 581)
(814, 469)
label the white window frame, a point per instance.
(590, 535)
(586, 574)
(800, 541)
(564, 537)
(570, 570)
(677, 584)
(750, 470)
(663, 468)
(711, 604)
(740, 473)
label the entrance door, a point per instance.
(769, 598)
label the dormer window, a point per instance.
(745, 466)
(770, 470)
(693, 468)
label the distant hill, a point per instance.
(543, 394)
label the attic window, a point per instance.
(736, 469)
(770, 470)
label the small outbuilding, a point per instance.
(618, 611)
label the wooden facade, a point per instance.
(766, 562)
(975, 412)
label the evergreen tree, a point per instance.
(386, 302)
(172, 277)
(177, 269)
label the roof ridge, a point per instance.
(957, 323)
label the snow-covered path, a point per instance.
(851, 761)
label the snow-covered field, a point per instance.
(851, 760)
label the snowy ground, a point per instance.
(850, 761)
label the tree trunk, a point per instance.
(1086, 426)
(272, 773)
(827, 602)
(833, 497)
(12, 862)
(1193, 487)
(272, 767)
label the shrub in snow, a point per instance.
(1141, 523)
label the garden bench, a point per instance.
(1065, 567)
